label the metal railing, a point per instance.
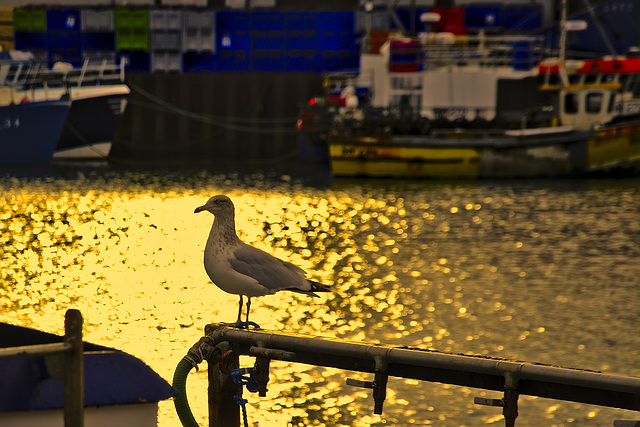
(510, 377)
(71, 350)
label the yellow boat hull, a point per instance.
(613, 147)
(401, 161)
(524, 156)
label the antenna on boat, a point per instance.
(566, 26)
(368, 8)
(394, 17)
(563, 44)
(596, 22)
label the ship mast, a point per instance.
(563, 44)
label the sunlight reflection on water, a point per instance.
(526, 271)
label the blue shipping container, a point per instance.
(267, 39)
(303, 39)
(232, 60)
(267, 21)
(337, 30)
(98, 41)
(29, 41)
(302, 21)
(198, 61)
(483, 17)
(303, 60)
(268, 60)
(523, 18)
(63, 20)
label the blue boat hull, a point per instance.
(111, 377)
(29, 132)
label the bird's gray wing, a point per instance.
(271, 272)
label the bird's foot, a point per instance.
(246, 325)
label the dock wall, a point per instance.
(212, 117)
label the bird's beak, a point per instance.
(199, 209)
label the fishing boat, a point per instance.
(484, 106)
(118, 387)
(97, 90)
(29, 130)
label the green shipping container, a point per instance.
(132, 29)
(30, 20)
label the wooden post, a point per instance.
(223, 409)
(73, 370)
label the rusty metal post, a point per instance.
(510, 400)
(73, 370)
(223, 409)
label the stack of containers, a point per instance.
(6, 28)
(233, 41)
(97, 33)
(199, 40)
(63, 34)
(166, 40)
(338, 41)
(302, 38)
(30, 26)
(132, 37)
(267, 41)
(190, 39)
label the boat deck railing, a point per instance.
(32, 75)
(512, 378)
(520, 52)
(71, 353)
(94, 71)
(486, 51)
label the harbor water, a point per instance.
(537, 271)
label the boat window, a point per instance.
(612, 103)
(591, 78)
(405, 83)
(404, 100)
(593, 102)
(14, 70)
(571, 103)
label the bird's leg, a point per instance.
(240, 311)
(248, 307)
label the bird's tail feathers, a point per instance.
(315, 287)
(318, 287)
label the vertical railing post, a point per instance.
(510, 400)
(73, 370)
(224, 411)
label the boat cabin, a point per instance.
(595, 92)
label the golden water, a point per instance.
(542, 272)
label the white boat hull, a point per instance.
(99, 150)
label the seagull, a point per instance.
(241, 269)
